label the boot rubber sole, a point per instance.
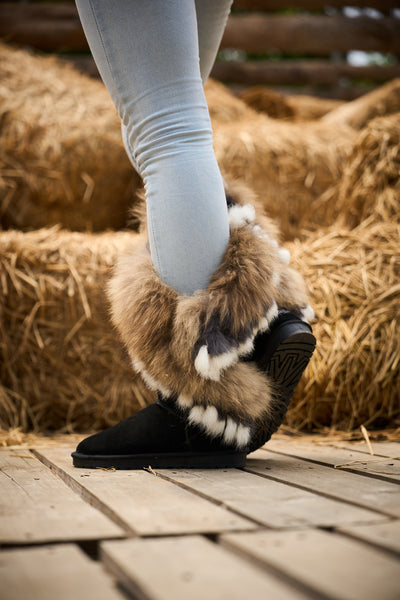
(178, 460)
(290, 359)
(284, 359)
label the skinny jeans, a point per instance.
(154, 57)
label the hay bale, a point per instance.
(354, 375)
(384, 100)
(223, 105)
(61, 155)
(61, 364)
(371, 179)
(292, 167)
(62, 159)
(287, 107)
(263, 100)
(308, 108)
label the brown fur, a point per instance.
(161, 328)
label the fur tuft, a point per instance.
(241, 215)
(284, 255)
(307, 314)
(184, 402)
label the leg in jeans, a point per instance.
(212, 17)
(214, 406)
(148, 56)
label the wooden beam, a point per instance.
(311, 34)
(272, 5)
(57, 27)
(52, 27)
(317, 72)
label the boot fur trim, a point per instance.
(189, 347)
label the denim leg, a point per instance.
(147, 54)
(212, 17)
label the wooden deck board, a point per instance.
(37, 507)
(270, 503)
(373, 466)
(61, 572)
(265, 521)
(385, 535)
(147, 504)
(330, 564)
(371, 493)
(190, 568)
(384, 449)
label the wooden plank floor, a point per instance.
(300, 520)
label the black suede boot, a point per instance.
(214, 405)
(160, 435)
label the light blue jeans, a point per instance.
(154, 56)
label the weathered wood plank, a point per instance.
(315, 72)
(190, 567)
(385, 535)
(57, 27)
(331, 564)
(386, 449)
(271, 5)
(146, 504)
(44, 26)
(63, 572)
(35, 506)
(268, 502)
(311, 34)
(379, 467)
(374, 494)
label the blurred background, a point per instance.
(305, 106)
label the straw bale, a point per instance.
(61, 364)
(62, 159)
(354, 375)
(384, 100)
(223, 105)
(289, 107)
(292, 167)
(371, 179)
(61, 155)
(308, 108)
(263, 100)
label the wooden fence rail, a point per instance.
(253, 29)
(311, 34)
